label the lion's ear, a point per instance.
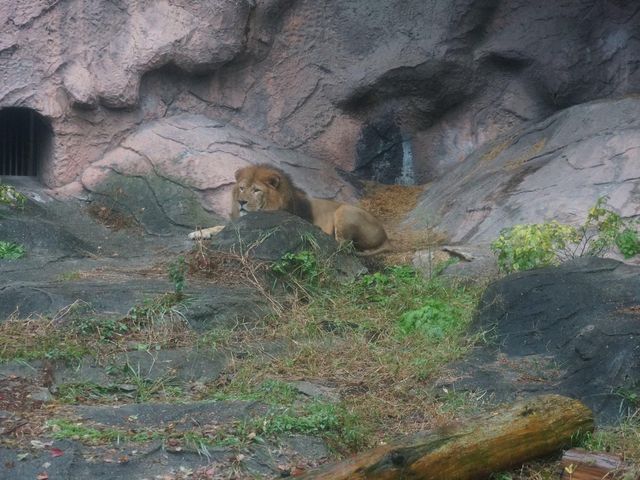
(239, 173)
(274, 180)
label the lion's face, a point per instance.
(251, 197)
(257, 188)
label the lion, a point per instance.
(266, 188)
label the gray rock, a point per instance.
(181, 365)
(27, 370)
(317, 391)
(571, 329)
(158, 415)
(268, 236)
(225, 307)
(41, 394)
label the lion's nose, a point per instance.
(242, 202)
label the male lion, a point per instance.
(263, 187)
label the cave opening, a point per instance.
(25, 141)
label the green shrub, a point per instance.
(302, 266)
(10, 196)
(436, 319)
(628, 243)
(176, 271)
(524, 247)
(11, 251)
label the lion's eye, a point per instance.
(241, 189)
(256, 191)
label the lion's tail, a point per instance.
(385, 247)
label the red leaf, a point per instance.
(56, 452)
(42, 476)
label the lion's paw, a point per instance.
(205, 233)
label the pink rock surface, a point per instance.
(203, 155)
(553, 170)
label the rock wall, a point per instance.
(554, 169)
(398, 90)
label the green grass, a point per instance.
(272, 392)
(380, 339)
(316, 418)
(39, 339)
(155, 323)
(11, 251)
(71, 276)
(332, 421)
(62, 429)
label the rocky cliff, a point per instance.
(397, 91)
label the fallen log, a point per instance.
(579, 464)
(491, 443)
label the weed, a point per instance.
(39, 338)
(144, 389)
(215, 338)
(165, 308)
(272, 392)
(622, 438)
(628, 243)
(105, 328)
(176, 271)
(524, 247)
(66, 430)
(69, 276)
(318, 418)
(436, 319)
(11, 251)
(10, 196)
(73, 393)
(302, 266)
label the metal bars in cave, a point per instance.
(18, 142)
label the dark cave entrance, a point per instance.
(384, 154)
(25, 141)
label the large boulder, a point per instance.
(571, 329)
(269, 236)
(553, 170)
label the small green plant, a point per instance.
(330, 420)
(272, 392)
(71, 393)
(177, 271)
(10, 196)
(62, 429)
(302, 268)
(378, 286)
(11, 251)
(628, 243)
(105, 328)
(316, 418)
(436, 319)
(524, 247)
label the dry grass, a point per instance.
(110, 218)
(75, 331)
(391, 204)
